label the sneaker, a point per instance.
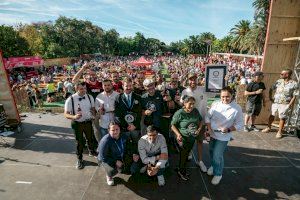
(216, 180)
(190, 156)
(246, 129)
(266, 130)
(79, 164)
(161, 180)
(110, 180)
(202, 166)
(210, 171)
(143, 169)
(278, 135)
(253, 128)
(182, 176)
(93, 154)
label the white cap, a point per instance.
(148, 82)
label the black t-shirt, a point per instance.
(156, 104)
(254, 86)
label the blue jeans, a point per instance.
(216, 151)
(103, 132)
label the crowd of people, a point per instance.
(130, 124)
(129, 120)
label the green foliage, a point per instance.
(70, 37)
(11, 43)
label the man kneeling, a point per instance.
(114, 152)
(154, 154)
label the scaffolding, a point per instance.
(293, 121)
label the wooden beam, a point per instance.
(292, 39)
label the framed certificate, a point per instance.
(215, 78)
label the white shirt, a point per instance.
(85, 106)
(148, 149)
(201, 98)
(222, 115)
(108, 103)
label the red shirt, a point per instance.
(94, 88)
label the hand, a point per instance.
(151, 171)
(179, 138)
(148, 112)
(167, 98)
(224, 130)
(259, 91)
(93, 111)
(119, 164)
(85, 65)
(135, 157)
(131, 127)
(77, 116)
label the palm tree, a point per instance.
(239, 31)
(261, 17)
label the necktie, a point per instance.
(128, 100)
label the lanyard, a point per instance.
(120, 149)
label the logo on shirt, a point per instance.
(191, 129)
(151, 106)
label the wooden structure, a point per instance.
(6, 96)
(284, 22)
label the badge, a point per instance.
(130, 117)
(136, 102)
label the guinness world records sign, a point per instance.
(215, 78)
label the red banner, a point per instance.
(23, 62)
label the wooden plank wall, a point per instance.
(6, 97)
(284, 22)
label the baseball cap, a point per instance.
(148, 82)
(258, 74)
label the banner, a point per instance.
(215, 78)
(23, 62)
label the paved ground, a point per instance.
(39, 164)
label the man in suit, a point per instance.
(128, 111)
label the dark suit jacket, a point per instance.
(122, 109)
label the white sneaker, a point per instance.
(190, 156)
(161, 180)
(216, 180)
(278, 135)
(202, 166)
(110, 180)
(143, 169)
(210, 171)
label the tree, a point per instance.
(110, 42)
(239, 32)
(31, 34)
(11, 43)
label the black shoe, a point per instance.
(246, 129)
(182, 175)
(253, 128)
(79, 164)
(93, 153)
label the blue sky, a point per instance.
(167, 20)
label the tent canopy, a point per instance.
(30, 61)
(141, 62)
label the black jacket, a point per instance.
(122, 109)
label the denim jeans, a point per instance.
(103, 132)
(216, 151)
